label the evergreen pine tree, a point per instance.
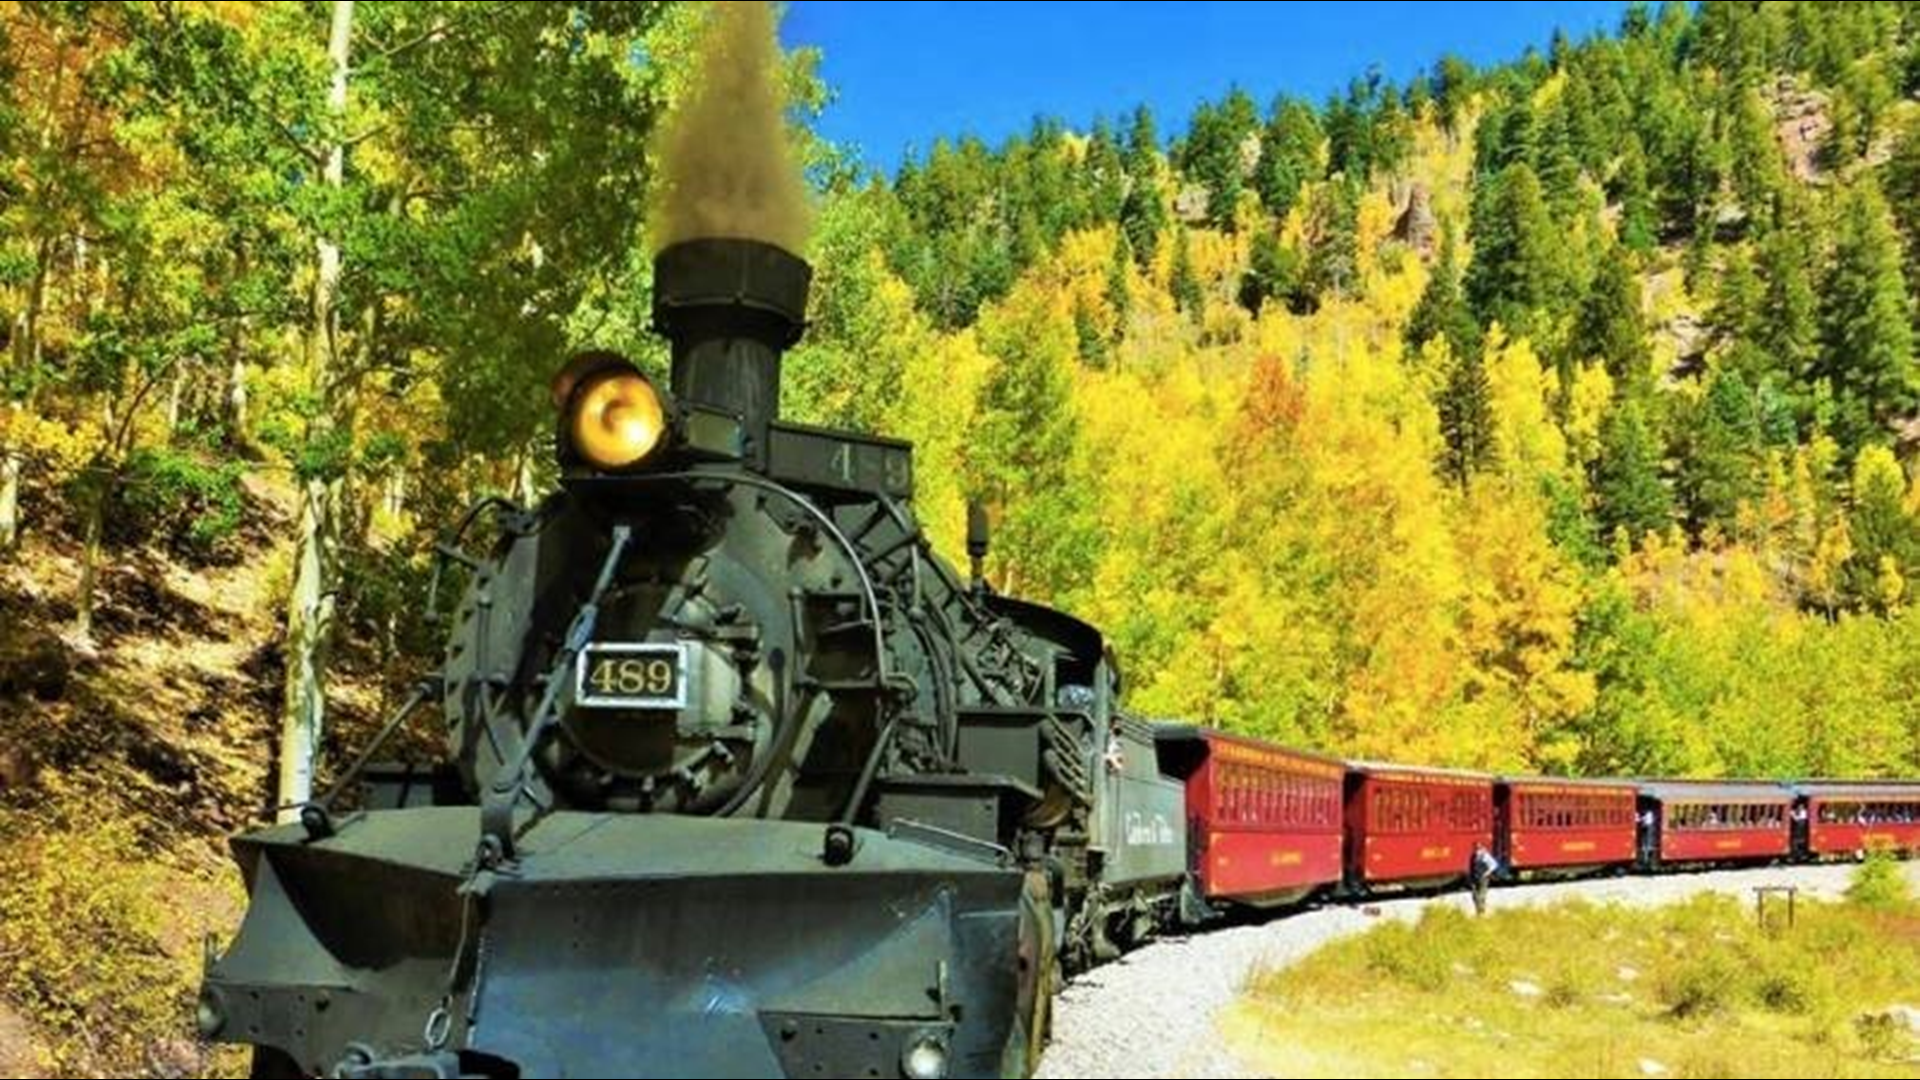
(1559, 162)
(1610, 328)
(1903, 190)
(1119, 285)
(1787, 329)
(1721, 468)
(1333, 228)
(1184, 284)
(1866, 328)
(1638, 223)
(1211, 153)
(1593, 147)
(1737, 319)
(1629, 495)
(1758, 166)
(1442, 310)
(1289, 154)
(1637, 20)
(1453, 86)
(1736, 313)
(1694, 199)
(1143, 214)
(1520, 133)
(1094, 348)
(1392, 135)
(1560, 50)
(1512, 277)
(1105, 169)
(1466, 418)
(1351, 147)
(1274, 273)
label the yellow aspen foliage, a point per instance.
(1395, 284)
(55, 448)
(1518, 621)
(1217, 259)
(1830, 552)
(1588, 403)
(1530, 441)
(1770, 520)
(1442, 164)
(1079, 273)
(1892, 583)
(1373, 224)
(939, 405)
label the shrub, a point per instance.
(189, 501)
(1793, 983)
(1702, 985)
(1400, 953)
(1880, 883)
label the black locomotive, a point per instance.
(742, 779)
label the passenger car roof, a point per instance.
(1715, 791)
(1388, 770)
(1859, 789)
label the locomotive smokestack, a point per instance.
(730, 307)
(731, 209)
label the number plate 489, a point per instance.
(615, 675)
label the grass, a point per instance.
(1694, 990)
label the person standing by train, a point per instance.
(1480, 871)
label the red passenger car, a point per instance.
(1263, 822)
(1414, 826)
(1708, 821)
(1846, 819)
(1549, 824)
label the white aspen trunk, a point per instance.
(90, 557)
(237, 395)
(176, 401)
(310, 607)
(26, 360)
(10, 469)
(523, 478)
(395, 496)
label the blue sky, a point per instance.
(908, 73)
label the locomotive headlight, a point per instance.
(925, 1058)
(614, 418)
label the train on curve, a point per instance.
(740, 779)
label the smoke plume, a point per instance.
(728, 164)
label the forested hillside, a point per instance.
(1557, 416)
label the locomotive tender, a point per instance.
(742, 780)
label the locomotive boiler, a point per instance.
(741, 779)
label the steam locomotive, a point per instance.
(742, 780)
